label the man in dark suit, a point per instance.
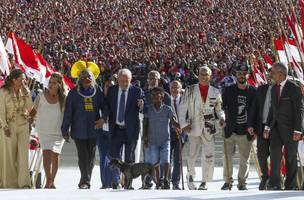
(259, 113)
(124, 103)
(284, 127)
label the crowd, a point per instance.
(168, 36)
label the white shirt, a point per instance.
(49, 113)
(267, 104)
(118, 103)
(177, 103)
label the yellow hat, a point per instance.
(80, 65)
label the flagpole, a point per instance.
(296, 36)
(282, 31)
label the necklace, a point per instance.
(19, 105)
(86, 96)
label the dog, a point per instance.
(134, 170)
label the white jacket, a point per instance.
(192, 108)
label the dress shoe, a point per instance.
(263, 184)
(273, 187)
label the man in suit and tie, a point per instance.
(256, 124)
(284, 126)
(124, 103)
(177, 137)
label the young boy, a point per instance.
(156, 134)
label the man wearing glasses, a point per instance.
(237, 99)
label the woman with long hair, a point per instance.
(15, 103)
(49, 108)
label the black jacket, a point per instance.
(287, 114)
(257, 108)
(230, 106)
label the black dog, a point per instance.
(134, 170)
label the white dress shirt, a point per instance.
(118, 103)
(177, 103)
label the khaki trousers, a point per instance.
(244, 147)
(207, 157)
(16, 168)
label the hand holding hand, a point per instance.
(140, 104)
(99, 123)
(266, 134)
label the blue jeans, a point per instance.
(159, 153)
(103, 143)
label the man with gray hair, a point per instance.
(199, 105)
(124, 102)
(284, 127)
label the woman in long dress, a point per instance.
(49, 108)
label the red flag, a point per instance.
(295, 28)
(33, 64)
(268, 60)
(302, 14)
(26, 58)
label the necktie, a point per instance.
(278, 92)
(175, 107)
(121, 111)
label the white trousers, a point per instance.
(206, 142)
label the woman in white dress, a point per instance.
(49, 109)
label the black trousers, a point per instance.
(263, 153)
(120, 139)
(278, 138)
(86, 158)
(175, 149)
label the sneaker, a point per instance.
(242, 187)
(226, 186)
(190, 183)
(202, 186)
(176, 187)
(166, 185)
